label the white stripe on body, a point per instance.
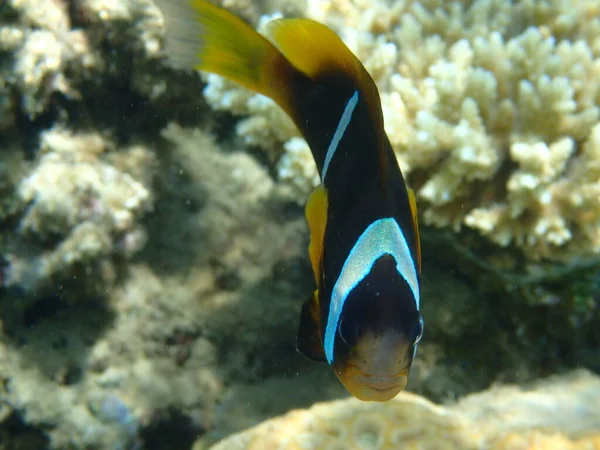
(339, 132)
(383, 236)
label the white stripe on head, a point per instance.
(384, 236)
(339, 132)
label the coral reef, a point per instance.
(493, 109)
(83, 204)
(82, 190)
(241, 235)
(77, 167)
(560, 413)
(51, 55)
(151, 277)
(101, 376)
(147, 357)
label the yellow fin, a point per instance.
(315, 50)
(308, 341)
(205, 37)
(415, 217)
(316, 216)
(311, 47)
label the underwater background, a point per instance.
(154, 247)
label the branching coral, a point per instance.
(492, 107)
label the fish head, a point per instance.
(376, 342)
(375, 366)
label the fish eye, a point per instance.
(419, 330)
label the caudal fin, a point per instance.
(305, 67)
(205, 37)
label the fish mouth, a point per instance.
(386, 384)
(379, 383)
(379, 389)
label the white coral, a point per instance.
(297, 167)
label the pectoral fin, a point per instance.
(309, 341)
(316, 216)
(415, 217)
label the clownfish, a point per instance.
(364, 317)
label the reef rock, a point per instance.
(559, 413)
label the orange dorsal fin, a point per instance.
(315, 50)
